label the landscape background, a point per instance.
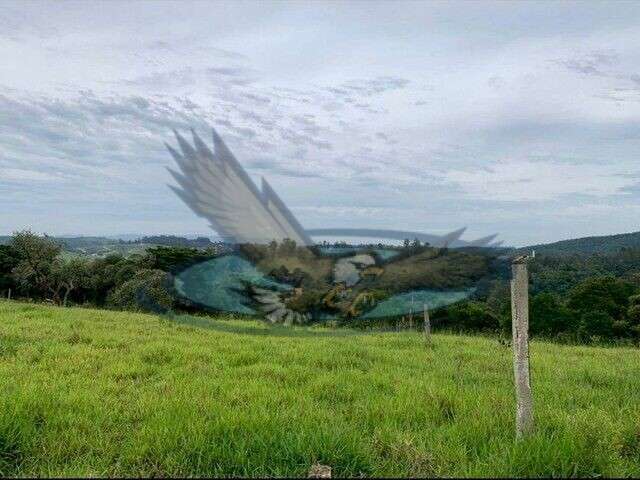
(583, 290)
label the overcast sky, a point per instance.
(521, 119)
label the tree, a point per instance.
(287, 247)
(633, 314)
(67, 275)
(596, 324)
(148, 290)
(37, 255)
(604, 294)
(549, 316)
(9, 260)
(173, 259)
(470, 316)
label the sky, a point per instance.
(521, 119)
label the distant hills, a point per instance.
(588, 245)
(99, 245)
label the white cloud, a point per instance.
(432, 115)
(523, 180)
(8, 174)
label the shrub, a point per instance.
(470, 316)
(148, 290)
(596, 324)
(605, 294)
(549, 316)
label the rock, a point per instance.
(319, 471)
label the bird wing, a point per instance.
(215, 186)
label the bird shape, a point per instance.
(275, 269)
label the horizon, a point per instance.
(513, 118)
(216, 238)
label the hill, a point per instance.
(101, 393)
(588, 245)
(102, 246)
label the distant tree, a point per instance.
(37, 256)
(548, 316)
(172, 259)
(469, 316)
(596, 324)
(9, 260)
(287, 247)
(148, 290)
(273, 248)
(604, 294)
(633, 314)
(68, 275)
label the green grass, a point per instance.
(98, 393)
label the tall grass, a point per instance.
(98, 393)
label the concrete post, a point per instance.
(520, 329)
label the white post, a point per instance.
(520, 329)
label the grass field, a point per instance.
(98, 393)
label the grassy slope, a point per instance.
(88, 392)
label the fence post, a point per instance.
(9, 295)
(427, 323)
(520, 330)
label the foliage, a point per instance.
(68, 275)
(609, 244)
(36, 257)
(9, 259)
(548, 316)
(173, 259)
(468, 316)
(605, 294)
(147, 290)
(581, 298)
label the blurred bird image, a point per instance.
(289, 279)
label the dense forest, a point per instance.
(589, 245)
(575, 297)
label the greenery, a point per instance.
(574, 298)
(98, 393)
(607, 244)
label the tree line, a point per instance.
(37, 268)
(580, 298)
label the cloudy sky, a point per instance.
(517, 118)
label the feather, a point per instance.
(215, 186)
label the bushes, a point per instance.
(597, 309)
(37, 265)
(597, 324)
(548, 316)
(148, 290)
(604, 294)
(468, 316)
(9, 260)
